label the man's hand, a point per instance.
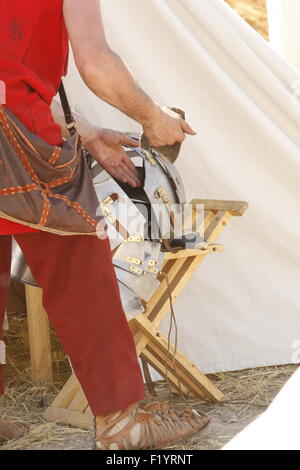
(166, 127)
(106, 147)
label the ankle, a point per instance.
(107, 416)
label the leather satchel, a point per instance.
(43, 186)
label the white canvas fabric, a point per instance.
(242, 308)
(284, 17)
(2, 353)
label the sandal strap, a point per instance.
(108, 422)
(123, 435)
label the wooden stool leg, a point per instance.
(39, 335)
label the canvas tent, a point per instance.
(242, 309)
(284, 18)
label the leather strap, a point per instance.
(148, 378)
(71, 125)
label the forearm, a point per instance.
(111, 80)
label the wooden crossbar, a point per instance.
(236, 208)
(193, 378)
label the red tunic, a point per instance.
(33, 58)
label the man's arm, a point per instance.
(105, 73)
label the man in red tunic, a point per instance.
(80, 291)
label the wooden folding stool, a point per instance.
(70, 406)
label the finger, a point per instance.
(130, 178)
(130, 164)
(122, 176)
(179, 138)
(117, 174)
(129, 171)
(187, 129)
(125, 140)
(130, 174)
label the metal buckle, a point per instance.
(134, 260)
(152, 262)
(152, 271)
(135, 269)
(161, 193)
(135, 239)
(150, 158)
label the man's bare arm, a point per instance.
(105, 73)
(102, 70)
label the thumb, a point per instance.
(187, 129)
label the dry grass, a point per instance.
(247, 394)
(26, 399)
(254, 12)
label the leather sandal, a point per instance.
(154, 426)
(12, 429)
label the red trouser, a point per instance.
(82, 299)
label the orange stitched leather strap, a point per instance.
(55, 156)
(19, 189)
(76, 206)
(38, 185)
(46, 209)
(23, 137)
(17, 147)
